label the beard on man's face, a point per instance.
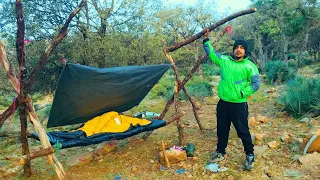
(239, 54)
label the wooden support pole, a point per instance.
(176, 94)
(20, 90)
(211, 27)
(165, 154)
(175, 117)
(43, 152)
(52, 159)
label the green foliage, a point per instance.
(279, 71)
(44, 112)
(306, 61)
(198, 87)
(210, 70)
(317, 70)
(164, 88)
(292, 63)
(301, 95)
(292, 56)
(5, 101)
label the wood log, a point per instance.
(175, 117)
(28, 157)
(176, 94)
(22, 77)
(165, 154)
(7, 67)
(14, 82)
(211, 27)
(8, 112)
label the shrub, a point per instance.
(292, 63)
(210, 70)
(317, 70)
(5, 101)
(301, 95)
(279, 71)
(292, 56)
(196, 87)
(164, 88)
(306, 61)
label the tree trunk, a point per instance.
(24, 138)
(285, 46)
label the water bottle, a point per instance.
(190, 150)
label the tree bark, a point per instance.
(22, 75)
(28, 157)
(285, 46)
(211, 27)
(7, 67)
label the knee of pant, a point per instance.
(243, 134)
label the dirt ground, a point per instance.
(134, 158)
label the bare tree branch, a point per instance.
(212, 27)
(51, 47)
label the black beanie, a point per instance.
(241, 42)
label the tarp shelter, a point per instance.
(85, 92)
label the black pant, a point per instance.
(237, 113)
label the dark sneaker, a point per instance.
(216, 157)
(249, 164)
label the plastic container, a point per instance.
(190, 150)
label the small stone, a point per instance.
(230, 178)
(134, 169)
(285, 137)
(273, 145)
(252, 121)
(260, 149)
(258, 136)
(262, 119)
(305, 120)
(315, 123)
(310, 160)
(190, 176)
(90, 149)
(259, 143)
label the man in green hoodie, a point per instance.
(239, 79)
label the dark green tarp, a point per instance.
(85, 92)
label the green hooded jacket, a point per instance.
(238, 79)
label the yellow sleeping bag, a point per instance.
(111, 122)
